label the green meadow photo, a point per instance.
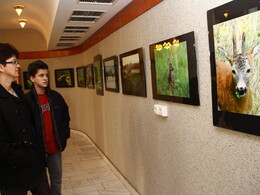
(98, 74)
(81, 76)
(172, 70)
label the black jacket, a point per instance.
(20, 160)
(60, 116)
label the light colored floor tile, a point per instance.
(86, 173)
(85, 189)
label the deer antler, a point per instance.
(243, 44)
(234, 45)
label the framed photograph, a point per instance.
(174, 70)
(234, 42)
(81, 76)
(111, 74)
(90, 76)
(26, 80)
(98, 71)
(132, 73)
(64, 77)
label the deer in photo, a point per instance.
(234, 93)
(170, 75)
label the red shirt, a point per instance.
(51, 145)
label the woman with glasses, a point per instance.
(22, 166)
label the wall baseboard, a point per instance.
(107, 161)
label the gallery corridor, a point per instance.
(86, 172)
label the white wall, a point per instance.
(181, 154)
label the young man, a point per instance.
(52, 117)
(22, 165)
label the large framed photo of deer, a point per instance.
(235, 65)
(174, 70)
(132, 73)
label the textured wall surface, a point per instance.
(181, 154)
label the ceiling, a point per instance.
(63, 23)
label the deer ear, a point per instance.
(224, 53)
(256, 50)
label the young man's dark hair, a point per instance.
(52, 118)
(35, 66)
(6, 52)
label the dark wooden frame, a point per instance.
(61, 81)
(98, 72)
(111, 67)
(133, 83)
(168, 47)
(236, 11)
(81, 79)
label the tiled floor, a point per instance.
(86, 173)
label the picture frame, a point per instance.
(64, 78)
(81, 76)
(98, 72)
(174, 70)
(90, 76)
(26, 80)
(111, 73)
(133, 73)
(234, 43)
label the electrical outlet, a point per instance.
(161, 110)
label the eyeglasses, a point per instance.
(12, 62)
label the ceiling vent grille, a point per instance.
(76, 29)
(82, 19)
(65, 44)
(105, 2)
(69, 38)
(85, 16)
(87, 13)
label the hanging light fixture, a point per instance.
(22, 22)
(226, 13)
(18, 9)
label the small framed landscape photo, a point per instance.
(111, 74)
(174, 70)
(81, 76)
(26, 80)
(90, 76)
(64, 77)
(98, 72)
(132, 73)
(234, 40)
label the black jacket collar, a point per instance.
(34, 93)
(5, 94)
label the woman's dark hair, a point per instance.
(35, 66)
(7, 51)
